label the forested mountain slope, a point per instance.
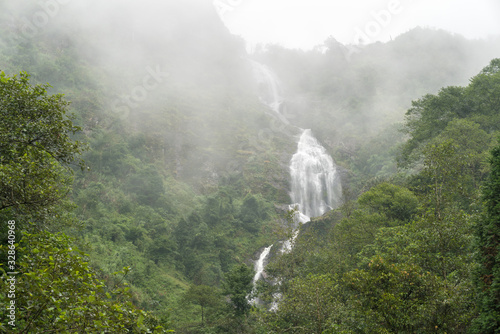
(186, 171)
(179, 184)
(410, 254)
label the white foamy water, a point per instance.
(315, 183)
(260, 264)
(259, 267)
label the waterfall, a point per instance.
(259, 269)
(315, 185)
(269, 89)
(268, 86)
(259, 265)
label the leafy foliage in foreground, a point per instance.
(58, 291)
(35, 145)
(55, 290)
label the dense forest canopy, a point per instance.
(144, 176)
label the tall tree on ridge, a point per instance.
(488, 233)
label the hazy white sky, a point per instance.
(306, 23)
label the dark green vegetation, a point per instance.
(403, 257)
(183, 168)
(56, 289)
(488, 234)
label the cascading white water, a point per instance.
(259, 265)
(315, 184)
(267, 81)
(259, 269)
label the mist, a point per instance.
(172, 71)
(187, 44)
(200, 138)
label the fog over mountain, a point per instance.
(305, 25)
(265, 189)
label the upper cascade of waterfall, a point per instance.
(315, 182)
(268, 84)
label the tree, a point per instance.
(238, 285)
(250, 213)
(441, 175)
(388, 298)
(146, 185)
(429, 116)
(484, 92)
(202, 295)
(56, 290)
(396, 203)
(35, 145)
(472, 147)
(310, 305)
(441, 248)
(488, 243)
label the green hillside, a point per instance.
(150, 151)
